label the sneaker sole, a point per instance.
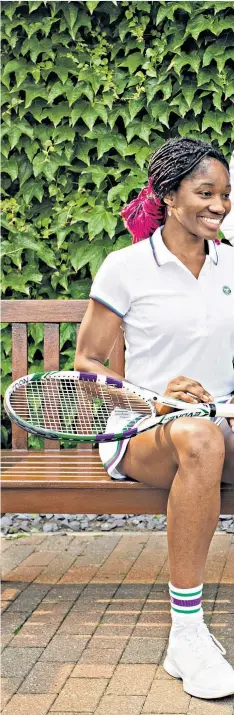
(196, 692)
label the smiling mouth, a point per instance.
(211, 223)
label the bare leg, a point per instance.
(188, 456)
(194, 508)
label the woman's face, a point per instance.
(202, 200)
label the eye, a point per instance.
(208, 193)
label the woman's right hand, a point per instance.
(185, 389)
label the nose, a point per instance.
(217, 207)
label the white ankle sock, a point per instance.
(186, 608)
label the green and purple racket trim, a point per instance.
(77, 406)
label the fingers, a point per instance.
(191, 390)
(185, 397)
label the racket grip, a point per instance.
(225, 410)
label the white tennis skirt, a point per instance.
(111, 453)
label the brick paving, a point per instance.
(86, 619)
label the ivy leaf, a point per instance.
(212, 51)
(80, 254)
(142, 156)
(119, 111)
(161, 110)
(188, 91)
(187, 126)
(132, 62)
(64, 134)
(80, 290)
(70, 13)
(75, 92)
(77, 111)
(98, 174)
(100, 219)
(135, 106)
(89, 116)
(56, 113)
(214, 120)
(25, 169)
(193, 60)
(221, 60)
(82, 151)
(91, 5)
(62, 68)
(33, 188)
(36, 47)
(217, 99)
(19, 67)
(10, 167)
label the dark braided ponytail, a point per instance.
(167, 167)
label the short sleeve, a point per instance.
(110, 286)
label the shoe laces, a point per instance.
(200, 637)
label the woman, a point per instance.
(174, 293)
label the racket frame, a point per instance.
(150, 397)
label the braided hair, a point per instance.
(168, 165)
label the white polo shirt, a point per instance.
(174, 323)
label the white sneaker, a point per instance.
(196, 656)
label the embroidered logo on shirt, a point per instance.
(226, 290)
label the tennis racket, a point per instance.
(77, 405)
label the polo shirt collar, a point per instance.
(163, 255)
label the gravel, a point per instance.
(67, 523)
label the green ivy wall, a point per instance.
(90, 89)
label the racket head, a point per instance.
(75, 406)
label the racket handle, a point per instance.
(225, 410)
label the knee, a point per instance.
(198, 439)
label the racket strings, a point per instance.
(75, 407)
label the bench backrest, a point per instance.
(50, 312)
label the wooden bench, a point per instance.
(57, 480)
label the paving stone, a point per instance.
(107, 630)
(12, 557)
(11, 591)
(4, 606)
(80, 693)
(165, 696)
(116, 618)
(11, 622)
(30, 598)
(107, 642)
(120, 705)
(29, 705)
(46, 678)
(131, 680)
(144, 650)
(8, 689)
(63, 592)
(92, 671)
(56, 569)
(24, 573)
(65, 649)
(19, 661)
(35, 635)
(91, 656)
(162, 674)
(220, 706)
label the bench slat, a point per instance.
(51, 362)
(19, 368)
(43, 311)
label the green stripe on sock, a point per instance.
(180, 594)
(195, 610)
